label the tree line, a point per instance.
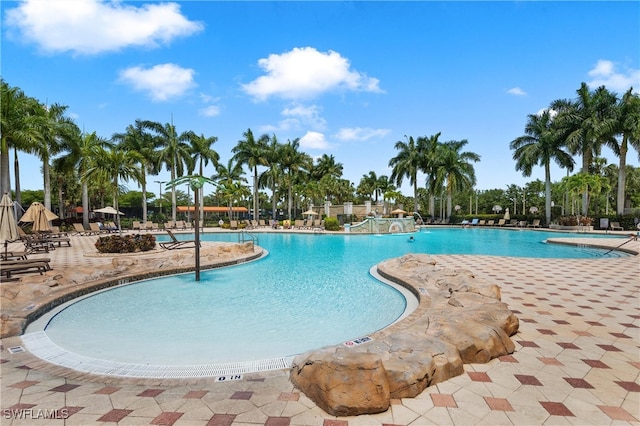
(93, 168)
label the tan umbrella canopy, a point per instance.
(399, 212)
(108, 210)
(310, 212)
(40, 217)
(8, 225)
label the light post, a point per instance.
(160, 198)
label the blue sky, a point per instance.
(348, 78)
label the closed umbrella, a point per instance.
(8, 226)
(506, 214)
(39, 216)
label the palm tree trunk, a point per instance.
(85, 205)
(16, 173)
(622, 176)
(47, 184)
(5, 176)
(547, 193)
(586, 160)
(173, 195)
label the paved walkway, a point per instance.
(577, 361)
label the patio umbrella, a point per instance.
(399, 212)
(310, 212)
(108, 210)
(40, 217)
(506, 214)
(8, 226)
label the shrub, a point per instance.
(126, 243)
(331, 224)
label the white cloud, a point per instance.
(360, 133)
(209, 111)
(314, 140)
(160, 82)
(90, 27)
(605, 73)
(304, 73)
(516, 91)
(309, 116)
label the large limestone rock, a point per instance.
(461, 320)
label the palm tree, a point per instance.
(17, 130)
(455, 169)
(272, 177)
(228, 178)
(540, 145)
(81, 151)
(251, 152)
(202, 153)
(326, 165)
(293, 162)
(432, 149)
(407, 163)
(136, 139)
(587, 122)
(53, 127)
(368, 184)
(174, 153)
(628, 127)
(116, 163)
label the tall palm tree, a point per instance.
(407, 163)
(588, 122)
(81, 151)
(456, 170)
(252, 152)
(202, 154)
(136, 139)
(628, 129)
(174, 153)
(17, 130)
(541, 144)
(228, 178)
(326, 165)
(272, 177)
(53, 127)
(116, 163)
(431, 151)
(368, 184)
(293, 162)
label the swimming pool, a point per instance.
(312, 290)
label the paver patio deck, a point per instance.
(577, 361)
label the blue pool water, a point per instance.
(312, 290)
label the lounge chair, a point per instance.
(298, 223)
(615, 226)
(502, 222)
(135, 225)
(55, 238)
(96, 229)
(481, 222)
(79, 229)
(490, 222)
(176, 243)
(474, 221)
(534, 224)
(262, 223)
(9, 267)
(464, 222)
(233, 224)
